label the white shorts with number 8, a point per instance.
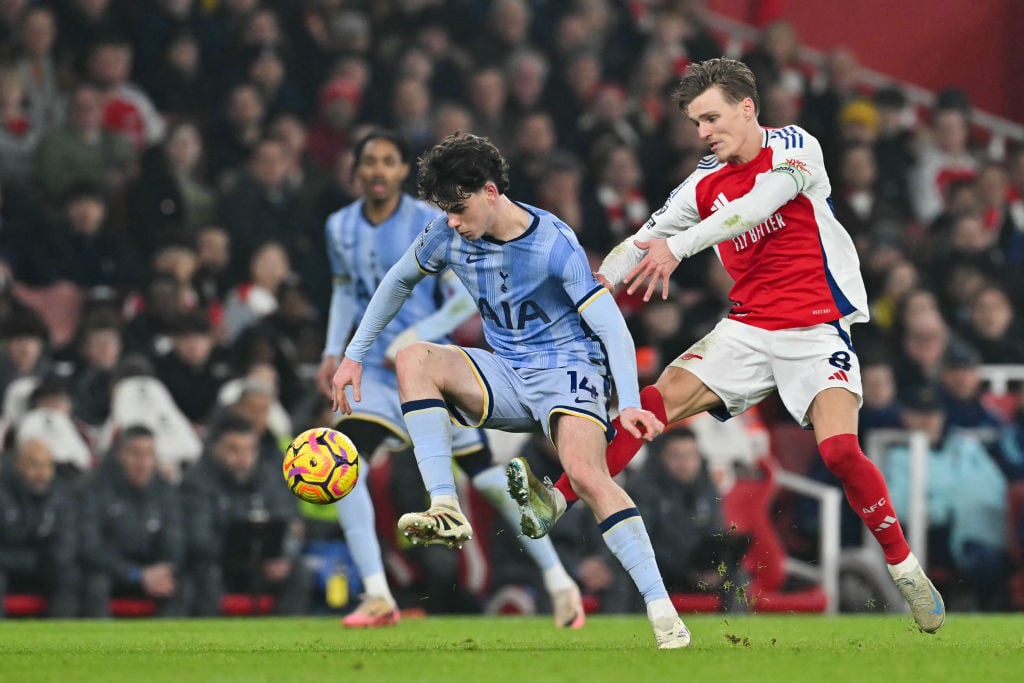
(742, 364)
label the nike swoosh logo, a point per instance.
(584, 400)
(474, 259)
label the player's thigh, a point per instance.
(455, 374)
(495, 396)
(726, 373)
(580, 442)
(808, 363)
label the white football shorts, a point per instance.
(743, 364)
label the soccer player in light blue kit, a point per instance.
(559, 343)
(364, 240)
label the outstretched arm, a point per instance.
(735, 218)
(457, 308)
(599, 311)
(392, 292)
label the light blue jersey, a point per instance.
(541, 306)
(529, 290)
(360, 254)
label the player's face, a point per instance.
(730, 130)
(474, 216)
(381, 171)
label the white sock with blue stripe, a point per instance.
(626, 536)
(356, 517)
(430, 429)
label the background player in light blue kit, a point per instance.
(364, 240)
(559, 342)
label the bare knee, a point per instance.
(587, 479)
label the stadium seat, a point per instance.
(747, 507)
(24, 605)
(240, 605)
(132, 607)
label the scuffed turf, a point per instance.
(760, 649)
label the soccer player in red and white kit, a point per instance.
(761, 199)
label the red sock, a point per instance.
(866, 493)
(624, 446)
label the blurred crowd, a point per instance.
(166, 169)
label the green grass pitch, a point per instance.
(760, 649)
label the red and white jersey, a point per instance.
(796, 268)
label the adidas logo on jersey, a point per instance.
(840, 376)
(720, 201)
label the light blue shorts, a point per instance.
(380, 405)
(526, 400)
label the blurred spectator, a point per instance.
(526, 73)
(127, 109)
(133, 541)
(336, 111)
(535, 144)
(619, 191)
(184, 88)
(829, 100)
(83, 23)
(264, 208)
(38, 535)
(24, 339)
(775, 59)
(944, 158)
(38, 67)
(213, 257)
(90, 252)
(859, 204)
(83, 151)
(924, 345)
(961, 389)
(994, 329)
(19, 132)
(50, 418)
(488, 96)
(254, 300)
(190, 371)
(682, 509)
(966, 500)
(507, 29)
(150, 326)
(894, 147)
(100, 349)
(236, 135)
(170, 199)
(269, 73)
(242, 525)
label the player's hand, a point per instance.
(158, 580)
(641, 423)
(328, 366)
(348, 373)
(277, 569)
(605, 281)
(656, 266)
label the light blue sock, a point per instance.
(430, 429)
(492, 484)
(355, 514)
(626, 536)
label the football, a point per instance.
(321, 465)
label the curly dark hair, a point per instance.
(733, 77)
(458, 166)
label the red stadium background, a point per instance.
(962, 43)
